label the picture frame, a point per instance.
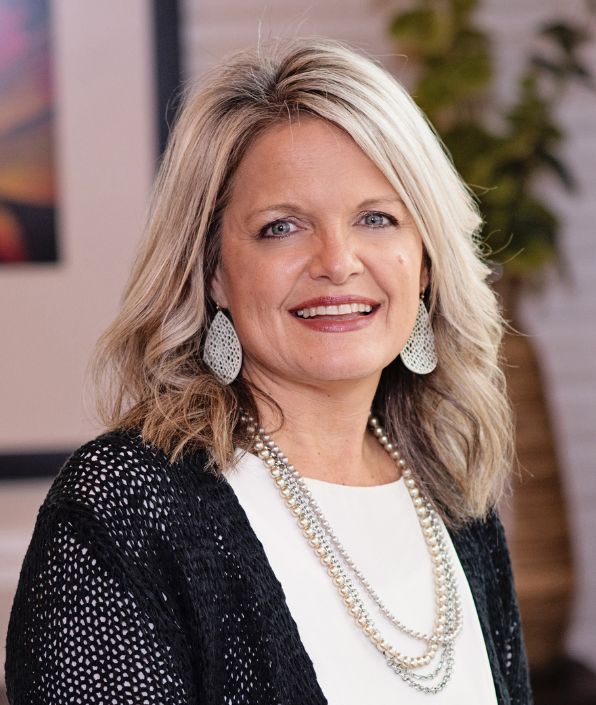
(33, 460)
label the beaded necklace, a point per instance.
(438, 653)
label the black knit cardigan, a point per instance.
(144, 583)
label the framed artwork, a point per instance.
(27, 164)
(29, 201)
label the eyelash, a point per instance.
(263, 230)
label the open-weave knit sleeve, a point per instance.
(507, 617)
(482, 550)
(84, 627)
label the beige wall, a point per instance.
(50, 315)
(562, 320)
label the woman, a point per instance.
(280, 387)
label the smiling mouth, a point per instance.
(338, 312)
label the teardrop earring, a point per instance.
(419, 354)
(222, 351)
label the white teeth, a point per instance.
(340, 310)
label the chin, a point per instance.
(351, 368)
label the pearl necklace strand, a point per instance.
(317, 530)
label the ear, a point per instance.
(218, 288)
(424, 272)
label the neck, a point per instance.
(325, 430)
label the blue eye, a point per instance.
(379, 217)
(276, 232)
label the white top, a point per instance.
(380, 531)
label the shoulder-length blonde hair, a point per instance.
(453, 425)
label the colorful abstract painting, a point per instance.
(27, 173)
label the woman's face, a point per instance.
(321, 264)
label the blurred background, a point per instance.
(87, 91)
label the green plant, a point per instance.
(500, 150)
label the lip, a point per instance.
(338, 325)
(323, 324)
(335, 301)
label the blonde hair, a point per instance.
(454, 424)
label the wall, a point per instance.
(562, 319)
(50, 315)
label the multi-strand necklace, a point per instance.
(428, 671)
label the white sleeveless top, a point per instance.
(380, 531)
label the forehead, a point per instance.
(299, 140)
(305, 157)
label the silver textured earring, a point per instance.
(222, 351)
(419, 354)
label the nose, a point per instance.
(335, 257)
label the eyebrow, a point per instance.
(287, 205)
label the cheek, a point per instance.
(252, 298)
(401, 271)
(262, 284)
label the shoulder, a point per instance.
(119, 479)
(485, 532)
(481, 545)
(484, 536)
